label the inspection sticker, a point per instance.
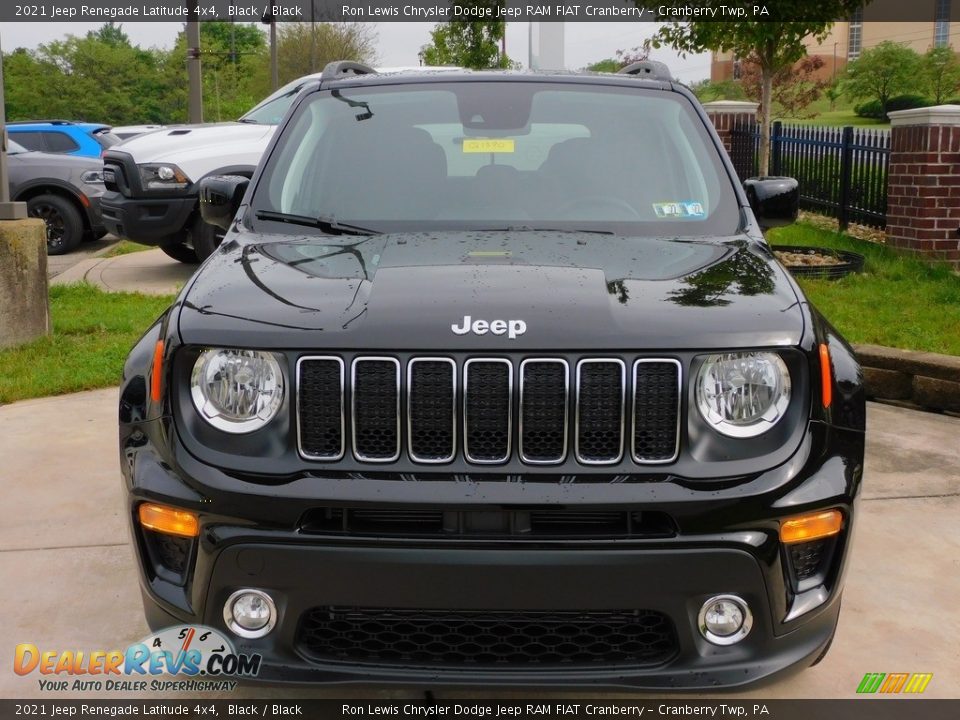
(680, 210)
(488, 145)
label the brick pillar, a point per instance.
(725, 113)
(923, 189)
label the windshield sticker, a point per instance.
(488, 145)
(684, 210)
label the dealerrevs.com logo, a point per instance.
(202, 657)
(910, 683)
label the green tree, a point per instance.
(468, 43)
(304, 49)
(940, 68)
(622, 59)
(882, 72)
(773, 43)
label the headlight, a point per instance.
(162, 176)
(92, 177)
(237, 391)
(743, 394)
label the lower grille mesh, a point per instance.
(477, 639)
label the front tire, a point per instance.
(181, 253)
(206, 238)
(63, 221)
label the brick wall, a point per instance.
(724, 114)
(923, 199)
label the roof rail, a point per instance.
(338, 68)
(648, 69)
(39, 122)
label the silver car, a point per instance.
(63, 190)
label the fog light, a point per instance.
(725, 619)
(250, 613)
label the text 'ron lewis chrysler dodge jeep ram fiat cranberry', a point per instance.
(494, 380)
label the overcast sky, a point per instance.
(400, 42)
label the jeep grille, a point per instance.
(434, 408)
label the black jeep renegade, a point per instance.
(495, 380)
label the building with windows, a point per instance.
(937, 24)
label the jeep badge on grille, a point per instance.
(512, 328)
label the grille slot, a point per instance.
(544, 390)
(320, 407)
(452, 524)
(472, 639)
(600, 404)
(376, 409)
(656, 411)
(487, 410)
(431, 409)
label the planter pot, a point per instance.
(843, 262)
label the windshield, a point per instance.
(272, 110)
(492, 155)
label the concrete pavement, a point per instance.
(69, 581)
(148, 271)
(57, 264)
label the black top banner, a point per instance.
(543, 708)
(466, 10)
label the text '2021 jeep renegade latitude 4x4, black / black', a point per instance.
(495, 380)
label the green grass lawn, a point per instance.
(125, 247)
(898, 301)
(92, 333)
(839, 118)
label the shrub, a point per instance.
(874, 109)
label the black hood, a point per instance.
(572, 291)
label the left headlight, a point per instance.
(92, 177)
(237, 391)
(743, 394)
(162, 176)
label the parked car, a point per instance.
(63, 136)
(495, 380)
(152, 179)
(63, 190)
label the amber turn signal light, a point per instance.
(826, 377)
(169, 520)
(814, 526)
(156, 371)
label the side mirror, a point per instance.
(220, 198)
(775, 200)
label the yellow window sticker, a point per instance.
(488, 145)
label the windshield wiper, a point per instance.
(325, 223)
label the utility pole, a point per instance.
(269, 19)
(8, 210)
(194, 81)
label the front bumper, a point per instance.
(726, 541)
(150, 221)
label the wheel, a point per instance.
(206, 238)
(64, 224)
(181, 253)
(620, 207)
(94, 235)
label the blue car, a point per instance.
(63, 137)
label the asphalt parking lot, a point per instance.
(69, 581)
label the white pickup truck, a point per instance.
(152, 179)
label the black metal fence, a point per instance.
(842, 171)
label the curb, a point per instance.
(926, 380)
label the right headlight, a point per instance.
(162, 176)
(237, 391)
(743, 394)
